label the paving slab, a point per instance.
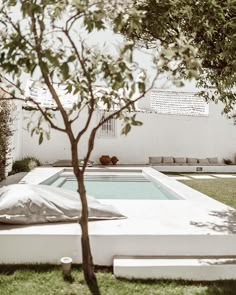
(203, 176)
(224, 175)
(13, 179)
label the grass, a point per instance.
(47, 280)
(223, 190)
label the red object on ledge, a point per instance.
(105, 160)
(114, 160)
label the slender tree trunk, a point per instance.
(87, 259)
(88, 267)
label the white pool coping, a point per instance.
(194, 225)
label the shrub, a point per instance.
(25, 165)
(228, 162)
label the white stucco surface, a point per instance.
(160, 135)
(196, 225)
(185, 269)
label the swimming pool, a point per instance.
(117, 186)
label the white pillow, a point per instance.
(30, 203)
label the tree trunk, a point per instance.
(88, 267)
(87, 259)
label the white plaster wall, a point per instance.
(160, 135)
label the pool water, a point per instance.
(119, 187)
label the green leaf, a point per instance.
(32, 132)
(65, 70)
(71, 58)
(141, 87)
(126, 129)
(40, 138)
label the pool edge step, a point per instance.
(192, 269)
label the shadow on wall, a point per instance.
(227, 222)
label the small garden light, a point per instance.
(66, 266)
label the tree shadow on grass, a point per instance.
(9, 269)
(226, 222)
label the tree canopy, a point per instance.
(209, 26)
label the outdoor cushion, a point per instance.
(213, 160)
(180, 160)
(30, 203)
(191, 160)
(168, 160)
(203, 161)
(155, 160)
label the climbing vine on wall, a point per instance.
(5, 136)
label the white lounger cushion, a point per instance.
(29, 204)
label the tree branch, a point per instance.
(12, 83)
(17, 29)
(29, 99)
(92, 100)
(116, 113)
(78, 113)
(52, 90)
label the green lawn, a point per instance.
(47, 280)
(223, 190)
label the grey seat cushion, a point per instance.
(213, 160)
(203, 161)
(155, 160)
(192, 161)
(30, 204)
(180, 160)
(168, 160)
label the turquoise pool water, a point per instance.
(119, 187)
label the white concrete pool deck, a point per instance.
(194, 226)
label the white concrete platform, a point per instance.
(193, 269)
(194, 225)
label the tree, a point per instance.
(42, 39)
(209, 26)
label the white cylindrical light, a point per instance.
(66, 266)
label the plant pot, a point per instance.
(105, 160)
(114, 160)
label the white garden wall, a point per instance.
(160, 135)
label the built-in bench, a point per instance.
(183, 164)
(178, 161)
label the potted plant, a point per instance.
(105, 160)
(114, 160)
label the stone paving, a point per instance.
(16, 178)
